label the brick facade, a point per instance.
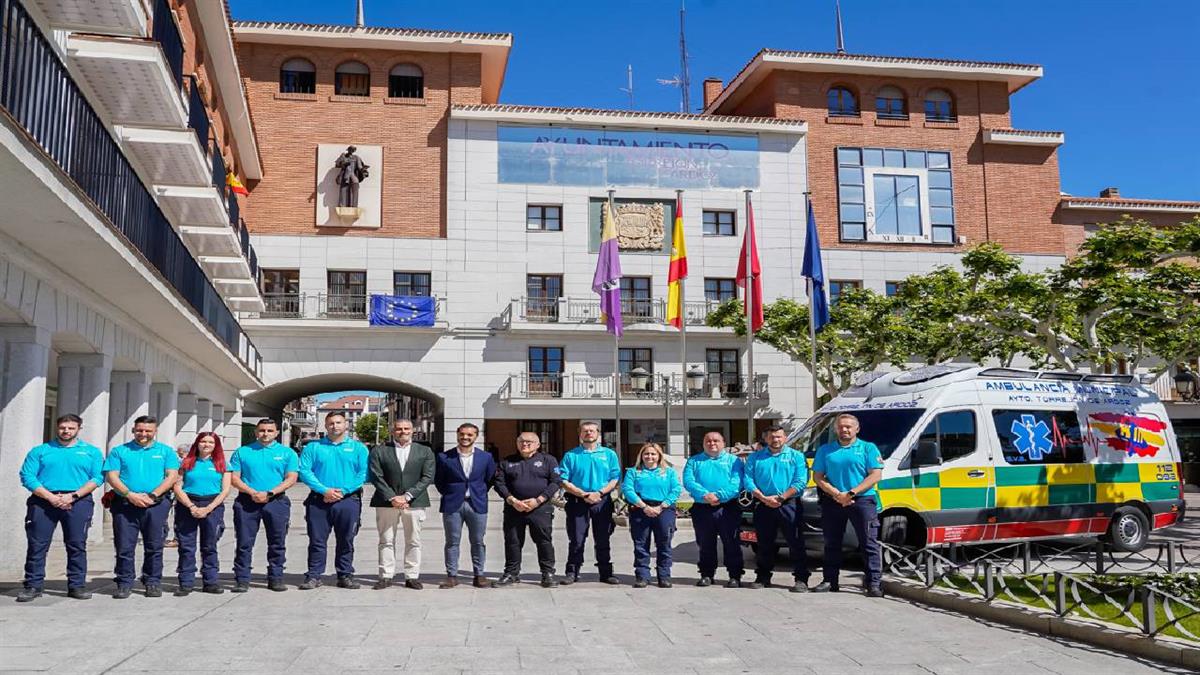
(411, 131)
(1006, 194)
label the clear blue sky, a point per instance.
(1120, 77)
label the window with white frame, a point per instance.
(894, 195)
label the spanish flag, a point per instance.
(678, 270)
(235, 185)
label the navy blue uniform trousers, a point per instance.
(581, 516)
(247, 515)
(767, 524)
(40, 520)
(643, 528)
(721, 521)
(864, 517)
(342, 519)
(129, 521)
(190, 531)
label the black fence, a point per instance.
(166, 33)
(198, 114)
(37, 91)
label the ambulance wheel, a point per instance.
(1128, 530)
(894, 530)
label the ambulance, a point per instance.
(977, 455)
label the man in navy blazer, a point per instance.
(464, 476)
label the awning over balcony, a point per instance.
(202, 206)
(118, 17)
(130, 79)
(168, 156)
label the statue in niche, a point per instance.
(351, 172)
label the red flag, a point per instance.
(756, 304)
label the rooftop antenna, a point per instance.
(358, 21)
(841, 41)
(629, 88)
(683, 80)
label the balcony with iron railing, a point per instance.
(586, 311)
(320, 307)
(718, 388)
(39, 94)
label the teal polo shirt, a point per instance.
(141, 469)
(262, 467)
(342, 466)
(203, 479)
(720, 475)
(846, 467)
(772, 474)
(59, 468)
(590, 470)
(660, 485)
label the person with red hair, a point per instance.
(200, 511)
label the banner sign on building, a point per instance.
(578, 156)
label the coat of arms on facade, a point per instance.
(639, 226)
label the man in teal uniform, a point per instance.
(714, 479)
(61, 475)
(262, 473)
(334, 468)
(590, 473)
(141, 473)
(846, 473)
(776, 477)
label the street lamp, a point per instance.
(639, 379)
(695, 379)
(1187, 384)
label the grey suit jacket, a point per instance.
(391, 479)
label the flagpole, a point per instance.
(812, 316)
(687, 429)
(612, 213)
(749, 325)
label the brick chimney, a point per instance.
(1110, 193)
(712, 89)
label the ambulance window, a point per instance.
(1039, 436)
(953, 433)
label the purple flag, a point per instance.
(607, 281)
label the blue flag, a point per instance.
(402, 310)
(818, 303)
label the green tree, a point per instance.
(367, 426)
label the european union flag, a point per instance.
(402, 310)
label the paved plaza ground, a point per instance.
(588, 627)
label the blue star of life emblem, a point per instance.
(1031, 437)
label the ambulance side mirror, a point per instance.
(926, 454)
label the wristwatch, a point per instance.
(270, 494)
(852, 493)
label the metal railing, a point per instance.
(534, 309)
(586, 386)
(342, 305)
(198, 113)
(38, 92)
(166, 33)
(218, 167)
(1122, 599)
(282, 306)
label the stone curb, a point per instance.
(1117, 638)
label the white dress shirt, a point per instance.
(402, 453)
(468, 460)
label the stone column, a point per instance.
(163, 405)
(185, 418)
(130, 399)
(24, 366)
(203, 415)
(233, 429)
(217, 414)
(83, 382)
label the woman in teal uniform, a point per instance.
(200, 512)
(651, 487)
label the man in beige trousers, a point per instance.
(401, 472)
